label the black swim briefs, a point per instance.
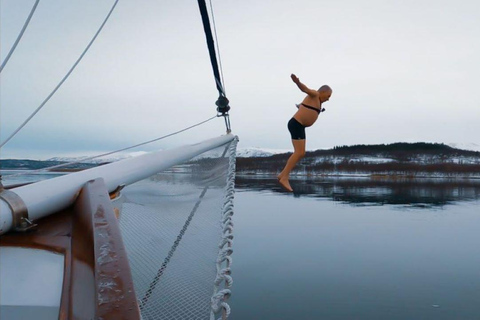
(297, 130)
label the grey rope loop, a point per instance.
(109, 153)
(223, 280)
(25, 25)
(63, 80)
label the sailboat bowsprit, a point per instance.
(148, 237)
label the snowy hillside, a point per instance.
(259, 152)
(110, 158)
(465, 146)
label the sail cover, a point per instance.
(177, 230)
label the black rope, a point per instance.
(218, 48)
(222, 101)
(211, 46)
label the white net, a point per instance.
(176, 225)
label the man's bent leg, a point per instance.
(298, 153)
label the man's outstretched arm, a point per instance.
(304, 88)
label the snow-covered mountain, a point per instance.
(259, 152)
(110, 158)
(465, 146)
(241, 152)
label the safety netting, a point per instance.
(178, 231)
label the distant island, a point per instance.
(381, 160)
(27, 164)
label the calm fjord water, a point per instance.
(356, 249)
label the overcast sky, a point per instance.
(401, 71)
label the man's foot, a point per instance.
(285, 183)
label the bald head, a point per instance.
(325, 93)
(325, 88)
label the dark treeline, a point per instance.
(400, 151)
(397, 167)
(422, 147)
(397, 150)
(263, 165)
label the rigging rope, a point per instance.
(109, 153)
(218, 47)
(211, 46)
(63, 80)
(222, 101)
(19, 36)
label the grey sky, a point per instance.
(400, 71)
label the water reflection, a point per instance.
(369, 191)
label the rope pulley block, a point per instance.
(222, 104)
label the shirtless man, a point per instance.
(306, 115)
